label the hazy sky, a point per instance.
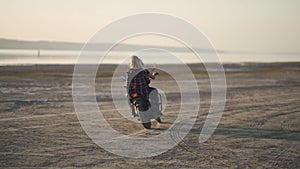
(239, 25)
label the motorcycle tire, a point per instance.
(147, 125)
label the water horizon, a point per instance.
(69, 57)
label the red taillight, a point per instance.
(134, 95)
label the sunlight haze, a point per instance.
(233, 25)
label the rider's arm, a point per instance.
(151, 74)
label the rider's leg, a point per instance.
(154, 100)
(130, 103)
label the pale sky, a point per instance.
(235, 25)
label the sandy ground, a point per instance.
(259, 129)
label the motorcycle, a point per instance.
(146, 109)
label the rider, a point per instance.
(138, 89)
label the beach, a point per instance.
(259, 128)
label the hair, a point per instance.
(135, 62)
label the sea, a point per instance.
(66, 57)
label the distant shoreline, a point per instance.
(112, 64)
(228, 67)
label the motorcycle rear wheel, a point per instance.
(147, 125)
